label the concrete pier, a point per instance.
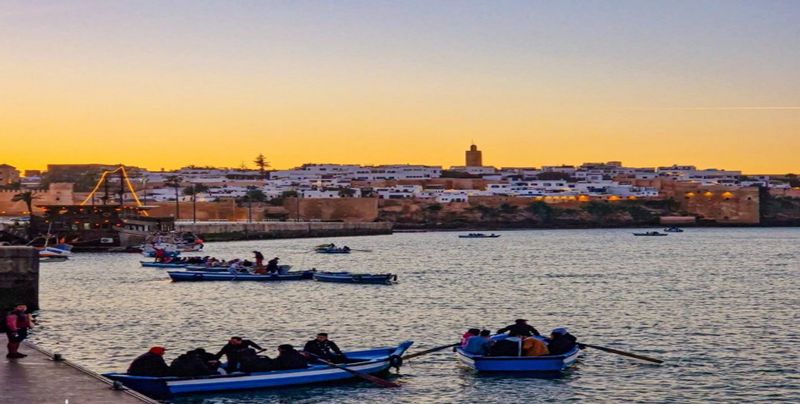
(222, 231)
(41, 379)
(19, 277)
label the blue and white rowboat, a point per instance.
(148, 264)
(547, 363)
(368, 361)
(197, 276)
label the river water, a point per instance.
(720, 306)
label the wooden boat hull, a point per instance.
(549, 363)
(369, 361)
(206, 276)
(148, 264)
(346, 277)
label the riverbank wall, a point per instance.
(230, 231)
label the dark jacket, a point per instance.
(561, 344)
(525, 330)
(291, 360)
(234, 351)
(189, 365)
(149, 364)
(252, 362)
(505, 347)
(323, 349)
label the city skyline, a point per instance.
(159, 85)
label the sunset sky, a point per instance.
(171, 83)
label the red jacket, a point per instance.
(16, 321)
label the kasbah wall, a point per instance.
(56, 194)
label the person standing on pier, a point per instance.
(17, 322)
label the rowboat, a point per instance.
(347, 277)
(369, 361)
(196, 276)
(333, 250)
(281, 268)
(673, 229)
(651, 234)
(547, 363)
(478, 235)
(148, 264)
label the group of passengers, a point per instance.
(522, 340)
(242, 355)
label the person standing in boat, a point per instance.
(17, 324)
(233, 351)
(521, 328)
(259, 258)
(561, 341)
(324, 348)
(150, 363)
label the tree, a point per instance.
(174, 181)
(28, 198)
(262, 164)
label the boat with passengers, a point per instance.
(369, 361)
(651, 234)
(205, 276)
(545, 364)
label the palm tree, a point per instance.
(262, 164)
(28, 198)
(174, 181)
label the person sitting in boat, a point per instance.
(233, 350)
(346, 248)
(472, 332)
(150, 363)
(532, 346)
(289, 358)
(259, 258)
(190, 364)
(479, 344)
(561, 341)
(250, 362)
(509, 346)
(324, 348)
(521, 328)
(159, 254)
(272, 266)
(209, 359)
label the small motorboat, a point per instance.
(673, 229)
(370, 361)
(651, 234)
(205, 276)
(348, 277)
(148, 264)
(547, 363)
(478, 235)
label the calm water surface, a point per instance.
(720, 306)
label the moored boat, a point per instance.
(369, 361)
(148, 264)
(198, 276)
(673, 229)
(546, 363)
(348, 277)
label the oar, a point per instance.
(623, 353)
(373, 379)
(427, 351)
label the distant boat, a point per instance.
(205, 276)
(651, 234)
(478, 235)
(348, 277)
(673, 229)
(333, 250)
